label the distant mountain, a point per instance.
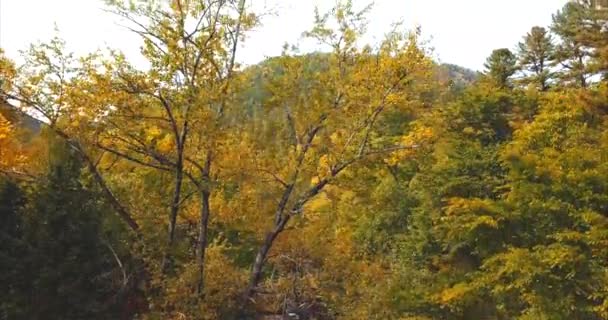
(454, 75)
(20, 119)
(459, 77)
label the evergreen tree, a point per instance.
(572, 55)
(500, 66)
(535, 54)
(57, 262)
(594, 34)
(12, 250)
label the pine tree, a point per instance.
(535, 55)
(500, 66)
(572, 54)
(12, 249)
(57, 262)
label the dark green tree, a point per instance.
(513, 229)
(463, 168)
(12, 250)
(593, 33)
(59, 260)
(535, 54)
(573, 55)
(500, 66)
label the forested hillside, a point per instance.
(364, 181)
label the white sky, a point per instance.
(462, 32)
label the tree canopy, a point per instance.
(362, 181)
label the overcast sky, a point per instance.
(462, 32)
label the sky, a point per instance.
(461, 32)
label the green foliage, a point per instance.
(500, 66)
(582, 50)
(12, 247)
(56, 261)
(535, 54)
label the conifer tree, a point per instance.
(572, 55)
(535, 55)
(57, 262)
(500, 66)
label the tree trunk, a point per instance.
(262, 255)
(108, 195)
(205, 212)
(175, 204)
(281, 222)
(179, 177)
(202, 240)
(582, 78)
(282, 218)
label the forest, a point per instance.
(361, 181)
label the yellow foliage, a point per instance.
(5, 129)
(324, 167)
(152, 133)
(13, 154)
(224, 283)
(412, 142)
(166, 144)
(453, 294)
(317, 204)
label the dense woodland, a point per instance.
(363, 181)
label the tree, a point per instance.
(336, 118)
(192, 49)
(500, 66)
(7, 72)
(41, 87)
(58, 260)
(462, 170)
(106, 108)
(501, 229)
(13, 249)
(535, 55)
(12, 155)
(572, 55)
(593, 34)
